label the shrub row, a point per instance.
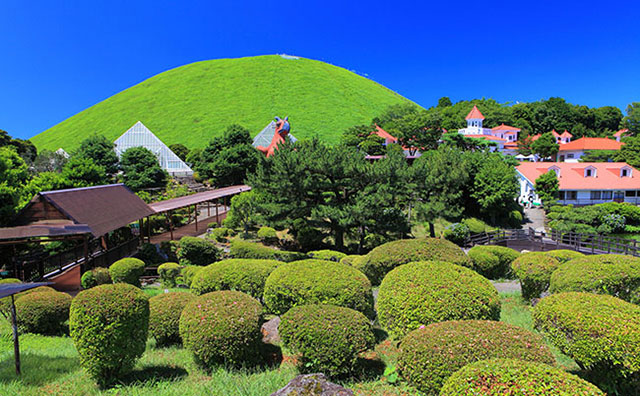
(329, 255)
(245, 275)
(197, 251)
(127, 270)
(493, 262)
(164, 316)
(43, 312)
(268, 235)
(251, 250)
(95, 277)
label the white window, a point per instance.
(595, 195)
(569, 155)
(607, 195)
(625, 172)
(590, 172)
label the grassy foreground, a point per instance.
(192, 103)
(51, 367)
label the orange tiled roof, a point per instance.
(503, 127)
(566, 134)
(587, 143)
(474, 114)
(384, 134)
(555, 134)
(620, 132)
(572, 175)
(486, 137)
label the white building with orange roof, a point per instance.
(504, 136)
(574, 150)
(583, 183)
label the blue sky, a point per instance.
(59, 58)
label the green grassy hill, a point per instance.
(193, 103)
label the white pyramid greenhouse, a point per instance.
(266, 135)
(139, 135)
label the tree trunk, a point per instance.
(361, 243)
(432, 230)
(339, 236)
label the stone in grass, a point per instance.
(312, 385)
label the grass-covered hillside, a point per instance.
(192, 103)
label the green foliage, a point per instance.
(222, 327)
(95, 277)
(142, 169)
(499, 377)
(493, 262)
(148, 253)
(378, 262)
(268, 235)
(244, 211)
(127, 270)
(170, 249)
(350, 259)
(169, 273)
(546, 146)
(13, 176)
(601, 333)
(197, 251)
(83, 172)
(476, 226)
(534, 270)
(457, 233)
(328, 338)
(418, 294)
(187, 273)
(612, 274)
(164, 316)
(108, 324)
(251, 250)
(49, 161)
(632, 120)
(564, 255)
(219, 234)
(430, 355)
(606, 218)
(99, 150)
(244, 275)
(546, 186)
(317, 282)
(180, 150)
(328, 255)
(495, 187)
(43, 313)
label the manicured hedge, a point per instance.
(612, 274)
(564, 255)
(268, 235)
(601, 333)
(418, 294)
(169, 273)
(485, 262)
(43, 313)
(197, 251)
(222, 327)
(108, 324)
(219, 234)
(329, 255)
(351, 259)
(251, 250)
(187, 273)
(245, 275)
(327, 338)
(378, 262)
(499, 377)
(534, 270)
(164, 316)
(506, 256)
(127, 270)
(95, 277)
(317, 282)
(430, 355)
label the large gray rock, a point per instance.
(312, 385)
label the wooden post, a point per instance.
(195, 215)
(217, 212)
(86, 254)
(208, 208)
(141, 228)
(149, 229)
(16, 344)
(168, 216)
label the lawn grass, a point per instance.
(195, 102)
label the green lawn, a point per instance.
(192, 103)
(51, 367)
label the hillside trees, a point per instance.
(13, 176)
(545, 146)
(546, 186)
(180, 150)
(630, 151)
(141, 169)
(632, 120)
(495, 187)
(99, 150)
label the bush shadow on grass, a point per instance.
(37, 369)
(152, 373)
(268, 356)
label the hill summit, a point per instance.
(193, 103)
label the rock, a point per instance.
(270, 333)
(312, 385)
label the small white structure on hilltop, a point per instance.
(140, 136)
(504, 136)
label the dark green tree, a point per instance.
(180, 150)
(495, 187)
(99, 149)
(599, 156)
(546, 147)
(355, 135)
(632, 119)
(83, 172)
(142, 169)
(546, 186)
(25, 149)
(630, 151)
(49, 161)
(444, 102)
(13, 176)
(419, 131)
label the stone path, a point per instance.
(507, 287)
(535, 218)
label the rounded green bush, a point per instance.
(108, 325)
(127, 270)
(506, 256)
(378, 262)
(327, 338)
(351, 259)
(485, 262)
(187, 273)
(197, 251)
(601, 333)
(612, 274)
(251, 250)
(43, 312)
(329, 255)
(534, 270)
(245, 275)
(164, 316)
(95, 277)
(430, 355)
(222, 327)
(219, 234)
(418, 294)
(564, 255)
(267, 235)
(499, 377)
(317, 282)
(169, 273)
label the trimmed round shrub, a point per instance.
(601, 333)
(329, 255)
(564, 255)
(252, 250)
(187, 273)
(222, 327)
(350, 259)
(267, 235)
(499, 377)
(430, 355)
(534, 270)
(476, 226)
(418, 294)
(219, 234)
(506, 256)
(169, 273)
(378, 262)
(317, 282)
(327, 338)
(43, 312)
(197, 251)
(245, 275)
(10, 280)
(95, 277)
(108, 324)
(127, 270)
(612, 274)
(493, 262)
(164, 316)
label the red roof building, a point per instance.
(474, 114)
